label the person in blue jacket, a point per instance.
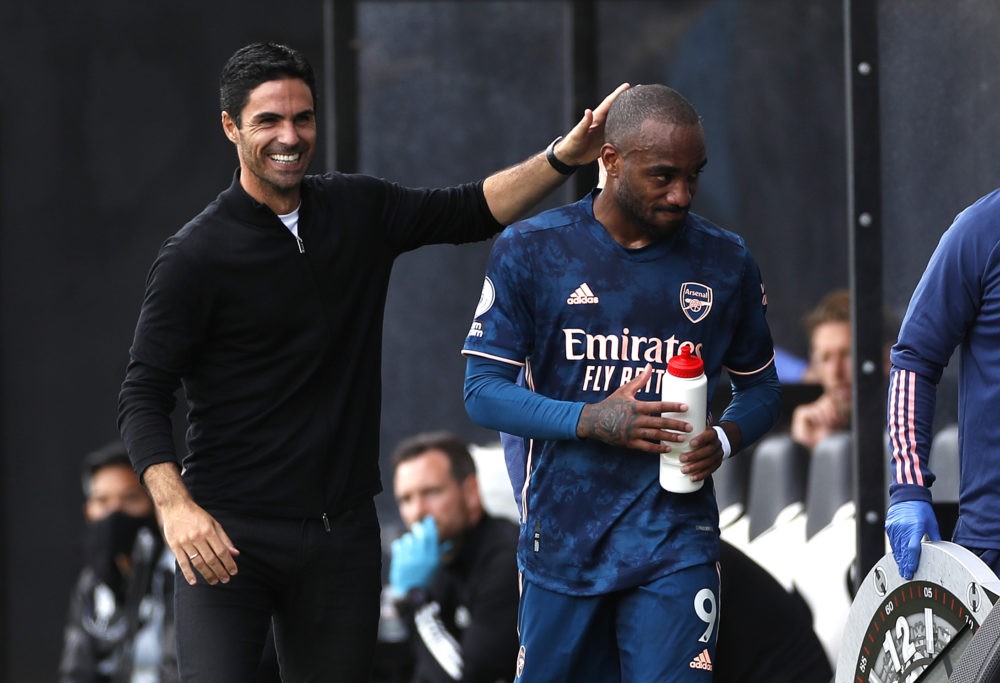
(956, 305)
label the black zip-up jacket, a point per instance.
(278, 341)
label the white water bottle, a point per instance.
(683, 382)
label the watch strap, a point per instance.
(560, 166)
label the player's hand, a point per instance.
(813, 422)
(623, 420)
(705, 456)
(583, 143)
(199, 543)
(906, 523)
(415, 557)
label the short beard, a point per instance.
(632, 209)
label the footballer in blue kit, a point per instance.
(581, 309)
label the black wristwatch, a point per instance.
(562, 167)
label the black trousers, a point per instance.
(319, 586)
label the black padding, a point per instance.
(732, 480)
(777, 479)
(830, 481)
(944, 464)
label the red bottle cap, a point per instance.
(685, 365)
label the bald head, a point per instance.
(642, 102)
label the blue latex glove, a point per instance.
(906, 523)
(415, 557)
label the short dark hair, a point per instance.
(258, 63)
(108, 455)
(457, 450)
(641, 102)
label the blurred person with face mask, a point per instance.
(119, 627)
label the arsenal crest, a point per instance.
(696, 301)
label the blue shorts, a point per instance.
(661, 631)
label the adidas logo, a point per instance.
(702, 661)
(582, 295)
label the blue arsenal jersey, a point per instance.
(583, 315)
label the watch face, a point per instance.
(910, 629)
(901, 630)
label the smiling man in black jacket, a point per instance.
(268, 306)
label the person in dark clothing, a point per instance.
(765, 632)
(268, 307)
(453, 575)
(119, 625)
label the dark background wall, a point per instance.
(940, 130)
(110, 141)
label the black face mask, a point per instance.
(114, 535)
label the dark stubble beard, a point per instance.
(278, 185)
(632, 208)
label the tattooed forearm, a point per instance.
(609, 421)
